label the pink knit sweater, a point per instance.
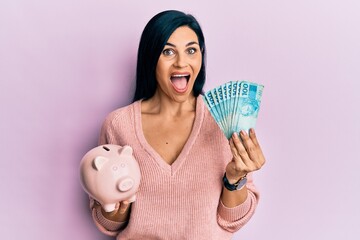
(181, 200)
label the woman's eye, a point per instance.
(168, 52)
(191, 51)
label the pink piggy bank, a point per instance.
(110, 174)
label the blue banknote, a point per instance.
(234, 105)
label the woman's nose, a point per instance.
(180, 61)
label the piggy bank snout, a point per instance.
(125, 184)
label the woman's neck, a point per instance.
(162, 104)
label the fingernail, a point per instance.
(243, 132)
(234, 135)
(252, 130)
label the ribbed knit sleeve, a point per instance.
(232, 219)
(106, 226)
(106, 130)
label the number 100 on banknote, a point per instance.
(234, 105)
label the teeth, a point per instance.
(179, 75)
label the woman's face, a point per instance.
(179, 64)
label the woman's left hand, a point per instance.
(247, 156)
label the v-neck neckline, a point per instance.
(169, 168)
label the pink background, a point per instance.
(65, 64)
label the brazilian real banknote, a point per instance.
(234, 105)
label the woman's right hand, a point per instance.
(120, 213)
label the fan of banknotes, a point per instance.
(234, 105)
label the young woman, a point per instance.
(196, 184)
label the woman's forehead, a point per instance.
(183, 36)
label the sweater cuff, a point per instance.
(235, 213)
(105, 225)
(109, 224)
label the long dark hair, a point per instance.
(152, 42)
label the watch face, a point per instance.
(241, 183)
(236, 186)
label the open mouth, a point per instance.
(180, 81)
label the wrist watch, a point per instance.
(236, 186)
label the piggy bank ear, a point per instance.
(126, 150)
(99, 162)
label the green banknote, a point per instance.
(234, 105)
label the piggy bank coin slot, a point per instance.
(106, 148)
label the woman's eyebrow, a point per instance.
(188, 44)
(192, 43)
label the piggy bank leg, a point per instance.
(132, 199)
(109, 207)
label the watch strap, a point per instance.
(236, 186)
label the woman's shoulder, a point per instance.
(121, 114)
